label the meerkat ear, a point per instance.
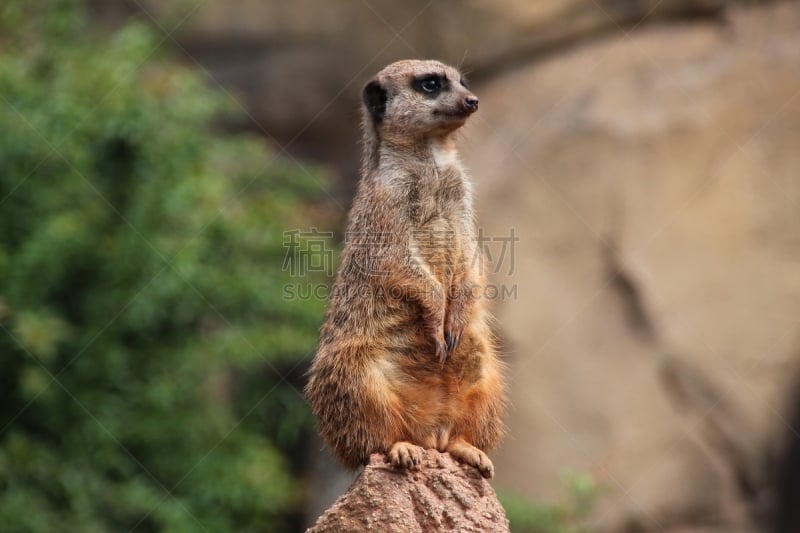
(375, 99)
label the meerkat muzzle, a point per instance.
(470, 103)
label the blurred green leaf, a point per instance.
(141, 259)
(565, 517)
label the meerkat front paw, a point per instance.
(403, 454)
(441, 350)
(467, 453)
(440, 342)
(452, 338)
(453, 330)
(458, 312)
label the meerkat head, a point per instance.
(414, 99)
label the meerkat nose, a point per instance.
(471, 103)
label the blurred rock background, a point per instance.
(645, 152)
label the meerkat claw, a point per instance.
(441, 351)
(451, 341)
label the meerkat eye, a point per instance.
(429, 84)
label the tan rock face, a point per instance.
(654, 182)
(441, 495)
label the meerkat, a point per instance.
(406, 358)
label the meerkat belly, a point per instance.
(437, 244)
(404, 365)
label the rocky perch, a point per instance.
(441, 495)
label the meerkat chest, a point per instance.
(448, 196)
(442, 229)
(437, 244)
(444, 158)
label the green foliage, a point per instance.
(141, 323)
(526, 517)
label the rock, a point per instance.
(442, 495)
(653, 180)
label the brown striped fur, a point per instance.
(406, 356)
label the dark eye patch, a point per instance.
(430, 84)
